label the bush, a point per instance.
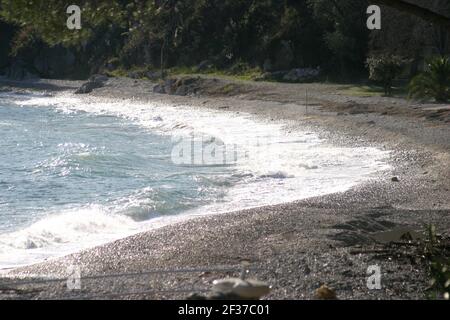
(384, 69)
(435, 254)
(433, 82)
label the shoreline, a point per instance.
(298, 246)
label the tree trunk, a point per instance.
(163, 71)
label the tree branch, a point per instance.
(418, 11)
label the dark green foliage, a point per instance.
(436, 254)
(433, 82)
(344, 34)
(6, 36)
(273, 35)
(384, 69)
(286, 33)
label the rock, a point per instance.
(246, 289)
(132, 75)
(268, 76)
(159, 88)
(154, 75)
(325, 293)
(99, 78)
(180, 87)
(182, 90)
(188, 81)
(187, 86)
(167, 87)
(95, 82)
(302, 75)
(170, 86)
(88, 87)
(136, 74)
(224, 296)
(213, 296)
(196, 296)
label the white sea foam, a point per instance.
(280, 166)
(61, 233)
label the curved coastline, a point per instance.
(296, 246)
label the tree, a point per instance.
(167, 33)
(385, 68)
(48, 18)
(345, 35)
(434, 82)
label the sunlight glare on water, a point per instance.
(77, 173)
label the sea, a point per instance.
(79, 172)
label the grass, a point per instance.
(245, 74)
(117, 73)
(241, 72)
(248, 74)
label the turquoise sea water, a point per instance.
(77, 173)
(51, 160)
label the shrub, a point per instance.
(385, 68)
(433, 82)
(435, 254)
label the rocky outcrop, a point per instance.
(153, 75)
(166, 87)
(142, 74)
(179, 87)
(235, 289)
(136, 74)
(302, 75)
(95, 82)
(194, 86)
